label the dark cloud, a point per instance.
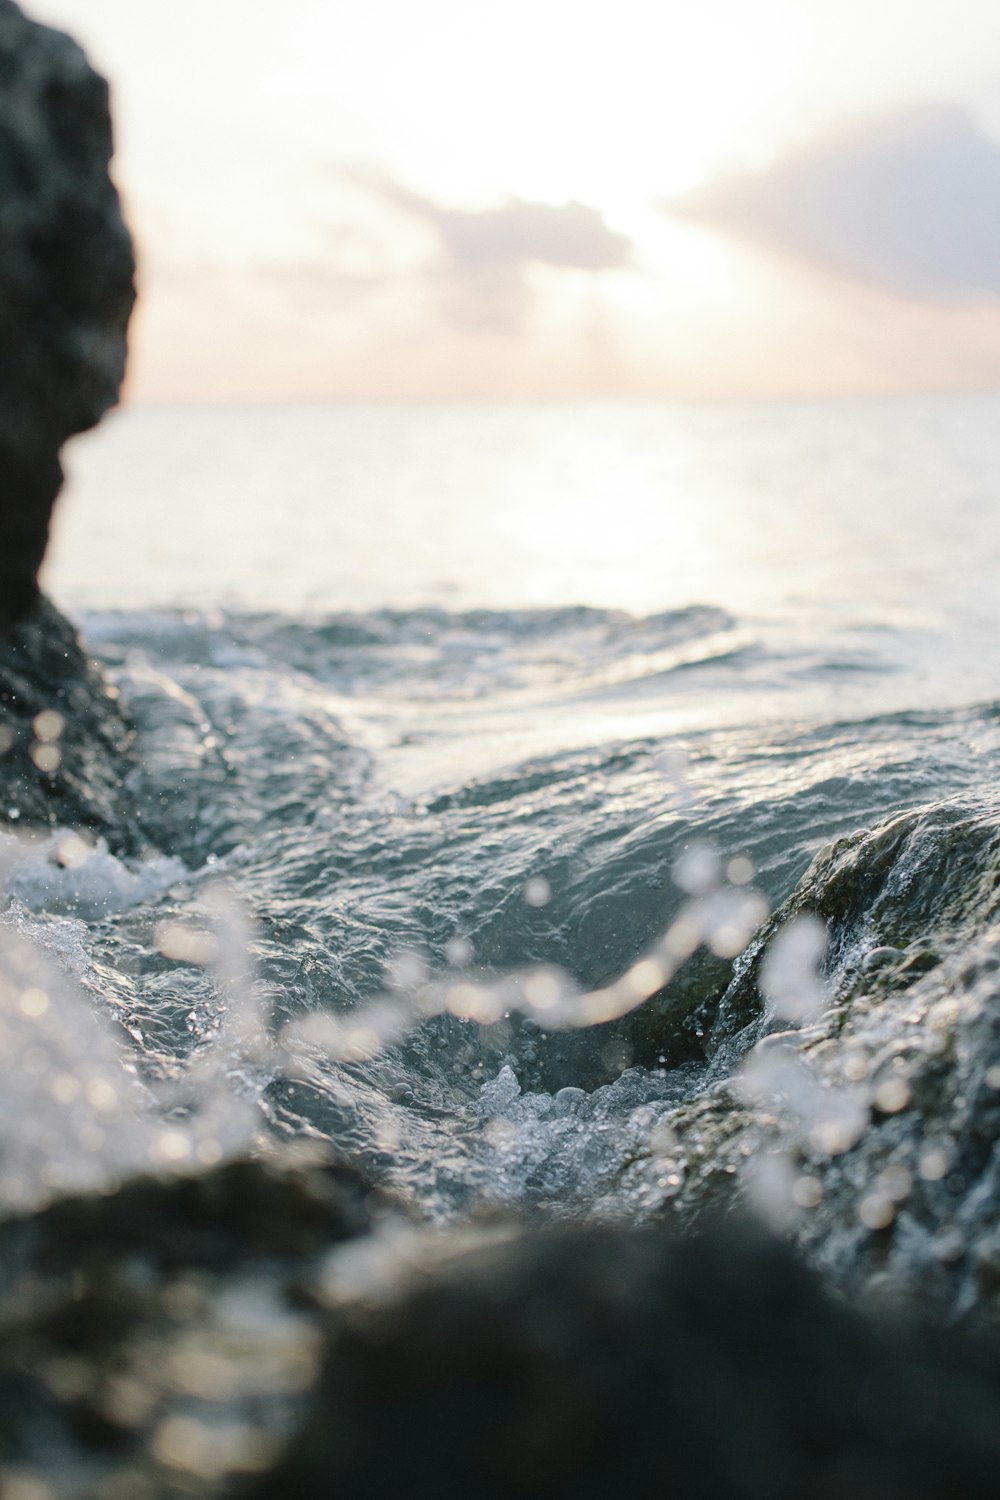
(910, 202)
(484, 253)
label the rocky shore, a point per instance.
(279, 1327)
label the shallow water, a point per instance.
(786, 635)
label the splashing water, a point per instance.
(489, 961)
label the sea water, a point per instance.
(454, 723)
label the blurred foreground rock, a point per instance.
(66, 288)
(588, 1362)
(152, 1341)
(246, 1332)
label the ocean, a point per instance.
(477, 742)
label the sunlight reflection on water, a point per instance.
(879, 505)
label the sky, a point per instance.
(437, 198)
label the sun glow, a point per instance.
(306, 201)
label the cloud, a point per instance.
(908, 203)
(484, 254)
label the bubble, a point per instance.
(48, 725)
(617, 1055)
(646, 977)
(740, 871)
(892, 1096)
(944, 1015)
(45, 757)
(186, 944)
(732, 918)
(35, 1062)
(855, 1066)
(876, 1211)
(406, 970)
(896, 1183)
(474, 1002)
(832, 1120)
(698, 870)
(459, 952)
(171, 1146)
(34, 1003)
(934, 1164)
(789, 975)
(72, 851)
(101, 1096)
(602, 1005)
(542, 990)
(682, 937)
(537, 891)
(807, 1192)
(64, 1088)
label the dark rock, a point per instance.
(928, 872)
(66, 281)
(245, 1332)
(68, 768)
(869, 1132)
(152, 1340)
(590, 1362)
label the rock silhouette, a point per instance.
(66, 281)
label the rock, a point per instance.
(245, 1332)
(152, 1340)
(64, 745)
(587, 1362)
(66, 281)
(869, 1132)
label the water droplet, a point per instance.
(876, 1211)
(48, 725)
(537, 891)
(892, 1096)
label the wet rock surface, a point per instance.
(66, 292)
(868, 1129)
(64, 743)
(66, 281)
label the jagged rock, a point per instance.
(589, 1362)
(64, 745)
(66, 281)
(871, 1130)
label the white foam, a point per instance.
(61, 874)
